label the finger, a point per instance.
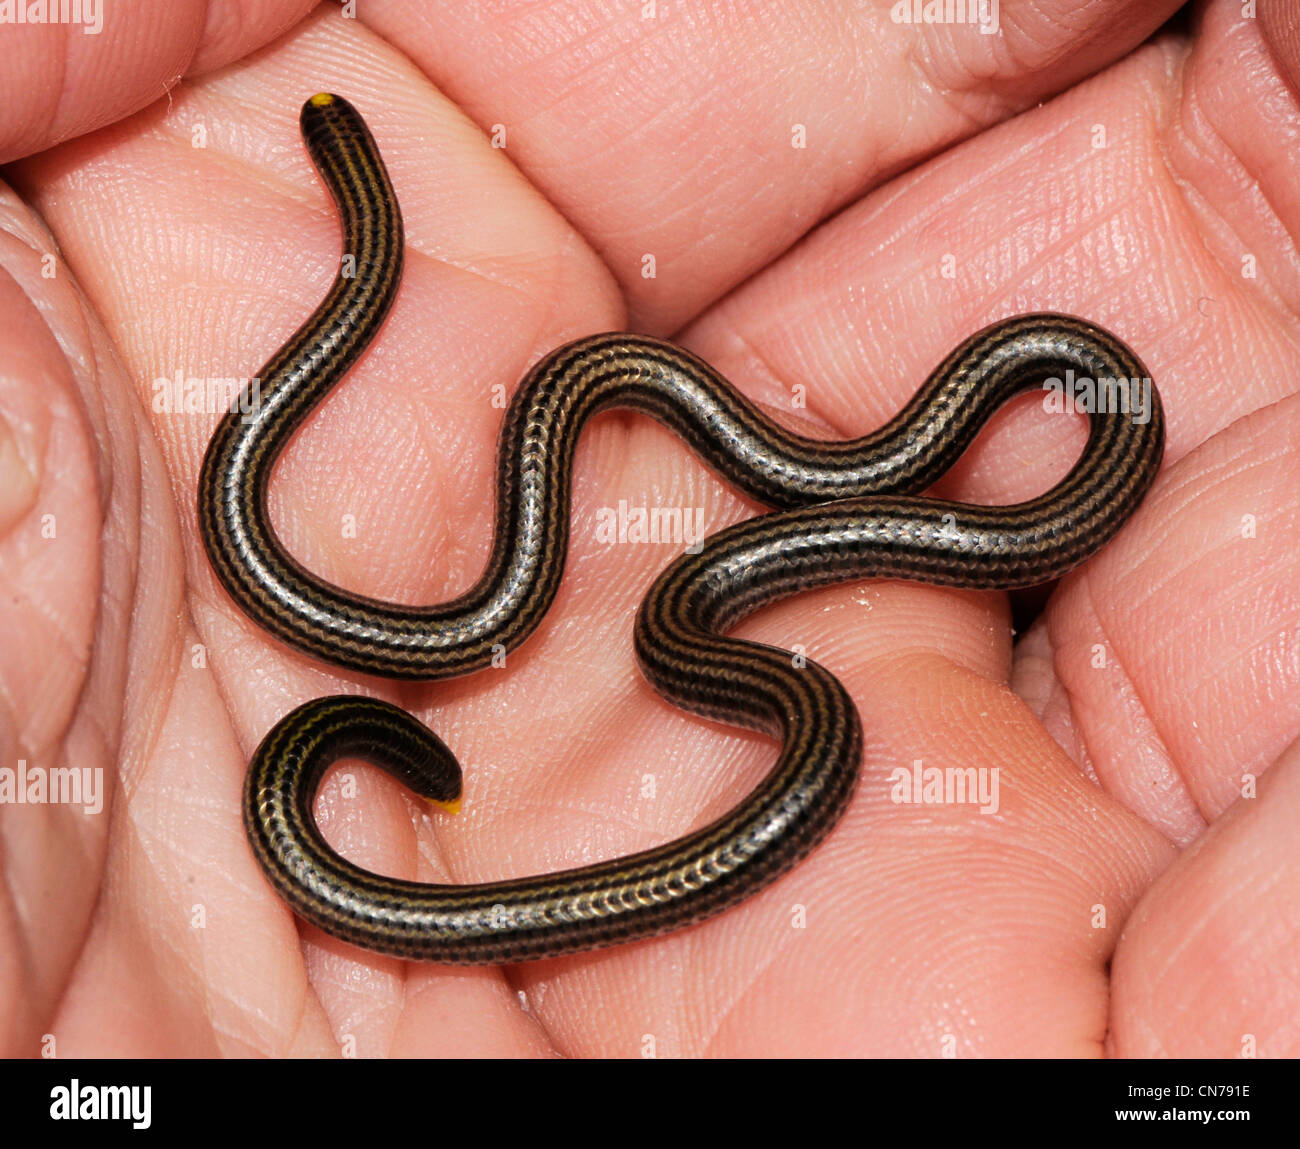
(71, 463)
(1207, 964)
(692, 145)
(72, 68)
(1199, 646)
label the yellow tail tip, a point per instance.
(452, 807)
(322, 99)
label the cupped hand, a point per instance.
(822, 204)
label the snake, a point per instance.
(839, 511)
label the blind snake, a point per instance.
(846, 511)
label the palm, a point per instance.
(914, 929)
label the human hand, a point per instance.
(927, 930)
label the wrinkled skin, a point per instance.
(1137, 891)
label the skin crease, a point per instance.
(926, 930)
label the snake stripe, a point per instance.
(845, 511)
